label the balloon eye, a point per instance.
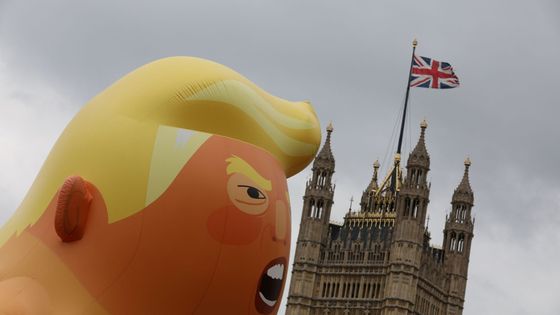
(253, 192)
(246, 195)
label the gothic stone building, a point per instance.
(380, 261)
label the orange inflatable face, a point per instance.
(215, 242)
(227, 214)
(133, 214)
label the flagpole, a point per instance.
(414, 44)
(396, 167)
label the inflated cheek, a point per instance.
(231, 226)
(282, 221)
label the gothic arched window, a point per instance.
(415, 207)
(406, 207)
(461, 243)
(312, 208)
(337, 287)
(453, 243)
(319, 209)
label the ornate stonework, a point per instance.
(380, 261)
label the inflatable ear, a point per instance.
(72, 209)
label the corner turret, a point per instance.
(313, 228)
(369, 194)
(457, 239)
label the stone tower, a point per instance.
(380, 260)
(368, 196)
(457, 238)
(314, 226)
(408, 235)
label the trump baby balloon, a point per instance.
(166, 194)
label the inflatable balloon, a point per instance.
(166, 194)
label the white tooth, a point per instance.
(267, 301)
(276, 271)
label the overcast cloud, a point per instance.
(350, 58)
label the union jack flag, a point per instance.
(430, 73)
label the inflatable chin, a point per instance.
(166, 194)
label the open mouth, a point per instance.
(270, 285)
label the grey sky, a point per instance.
(350, 58)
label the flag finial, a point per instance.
(414, 43)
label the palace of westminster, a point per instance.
(380, 260)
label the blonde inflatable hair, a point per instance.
(117, 141)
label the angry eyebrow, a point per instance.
(238, 165)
